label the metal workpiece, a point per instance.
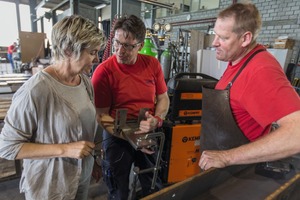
(157, 166)
(120, 121)
(126, 129)
(140, 141)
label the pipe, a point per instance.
(156, 3)
(196, 21)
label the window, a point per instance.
(183, 6)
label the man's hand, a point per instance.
(147, 151)
(217, 159)
(147, 125)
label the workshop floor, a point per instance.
(9, 190)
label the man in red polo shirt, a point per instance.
(252, 94)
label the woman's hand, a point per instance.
(79, 150)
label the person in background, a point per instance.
(259, 95)
(10, 50)
(51, 123)
(128, 80)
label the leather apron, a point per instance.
(219, 129)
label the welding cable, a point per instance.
(108, 45)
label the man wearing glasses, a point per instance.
(128, 80)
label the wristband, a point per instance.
(160, 121)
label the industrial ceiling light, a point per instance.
(100, 6)
(155, 3)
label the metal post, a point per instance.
(32, 5)
(18, 14)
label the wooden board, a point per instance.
(5, 103)
(32, 45)
(196, 43)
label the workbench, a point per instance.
(10, 83)
(235, 183)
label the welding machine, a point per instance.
(183, 126)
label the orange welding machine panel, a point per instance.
(185, 152)
(191, 96)
(190, 113)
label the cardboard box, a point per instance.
(196, 43)
(208, 40)
(284, 44)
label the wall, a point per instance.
(88, 12)
(127, 7)
(280, 17)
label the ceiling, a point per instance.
(93, 3)
(53, 3)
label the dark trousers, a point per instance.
(116, 165)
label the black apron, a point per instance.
(219, 129)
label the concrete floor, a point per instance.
(9, 190)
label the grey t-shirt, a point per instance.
(78, 102)
(42, 111)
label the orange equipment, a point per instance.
(183, 152)
(182, 128)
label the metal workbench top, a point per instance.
(236, 183)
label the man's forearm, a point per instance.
(279, 144)
(162, 106)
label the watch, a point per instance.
(160, 121)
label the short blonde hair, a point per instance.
(72, 35)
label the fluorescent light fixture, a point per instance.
(100, 6)
(155, 3)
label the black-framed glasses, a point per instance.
(129, 47)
